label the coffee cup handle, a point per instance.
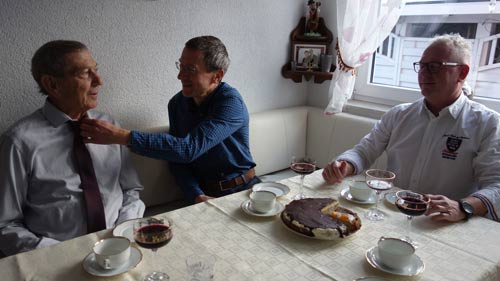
(107, 264)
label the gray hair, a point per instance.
(50, 59)
(214, 52)
(461, 49)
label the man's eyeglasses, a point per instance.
(189, 69)
(433, 66)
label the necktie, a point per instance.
(95, 210)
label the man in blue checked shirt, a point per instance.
(208, 145)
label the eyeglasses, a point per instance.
(433, 66)
(189, 69)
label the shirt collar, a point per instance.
(453, 109)
(457, 106)
(203, 106)
(55, 116)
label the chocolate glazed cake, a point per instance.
(320, 217)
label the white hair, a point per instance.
(461, 49)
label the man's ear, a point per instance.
(49, 84)
(464, 70)
(217, 78)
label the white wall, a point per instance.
(136, 43)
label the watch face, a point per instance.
(468, 209)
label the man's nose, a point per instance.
(96, 78)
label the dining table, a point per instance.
(249, 246)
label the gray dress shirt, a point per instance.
(41, 202)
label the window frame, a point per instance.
(366, 91)
(389, 95)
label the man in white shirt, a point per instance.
(443, 144)
(42, 197)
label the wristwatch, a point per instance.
(467, 208)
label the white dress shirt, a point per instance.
(456, 154)
(41, 202)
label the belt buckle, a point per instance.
(222, 188)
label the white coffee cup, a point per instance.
(112, 252)
(395, 253)
(359, 190)
(262, 201)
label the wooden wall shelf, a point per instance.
(296, 76)
(299, 43)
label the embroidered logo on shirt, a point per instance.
(452, 145)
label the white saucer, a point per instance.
(125, 229)
(390, 197)
(90, 265)
(274, 187)
(416, 266)
(247, 208)
(347, 195)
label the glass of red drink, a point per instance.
(153, 233)
(302, 166)
(411, 204)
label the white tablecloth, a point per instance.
(261, 248)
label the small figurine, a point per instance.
(312, 18)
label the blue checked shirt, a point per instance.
(208, 142)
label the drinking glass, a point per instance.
(153, 233)
(378, 180)
(411, 204)
(302, 166)
(200, 267)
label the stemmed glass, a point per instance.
(153, 233)
(378, 180)
(302, 166)
(411, 204)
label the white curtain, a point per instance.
(362, 25)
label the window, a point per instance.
(389, 78)
(429, 30)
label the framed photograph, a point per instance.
(306, 54)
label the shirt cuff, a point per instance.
(45, 242)
(492, 214)
(353, 163)
(131, 138)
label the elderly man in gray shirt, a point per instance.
(43, 198)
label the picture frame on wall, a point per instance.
(307, 54)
